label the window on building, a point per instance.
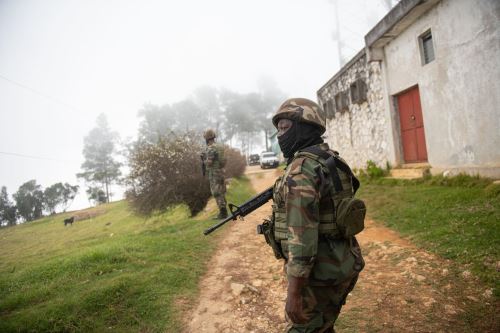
(426, 47)
(358, 91)
(341, 101)
(329, 109)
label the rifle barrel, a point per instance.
(218, 225)
(244, 209)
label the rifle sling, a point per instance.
(333, 162)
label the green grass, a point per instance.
(457, 218)
(117, 272)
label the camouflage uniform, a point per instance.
(304, 226)
(214, 162)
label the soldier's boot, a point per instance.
(222, 213)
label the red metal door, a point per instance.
(412, 126)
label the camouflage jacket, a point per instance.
(303, 207)
(214, 160)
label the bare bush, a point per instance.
(235, 162)
(167, 173)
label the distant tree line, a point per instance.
(31, 202)
(237, 118)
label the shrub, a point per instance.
(167, 173)
(373, 171)
(235, 162)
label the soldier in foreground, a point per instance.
(213, 162)
(314, 222)
(315, 218)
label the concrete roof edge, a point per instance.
(390, 20)
(396, 21)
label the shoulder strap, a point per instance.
(332, 162)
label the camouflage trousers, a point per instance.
(322, 305)
(218, 189)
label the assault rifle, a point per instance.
(243, 210)
(203, 166)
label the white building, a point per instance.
(424, 92)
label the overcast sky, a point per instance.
(62, 63)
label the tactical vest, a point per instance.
(220, 161)
(333, 189)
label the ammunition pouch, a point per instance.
(350, 217)
(267, 229)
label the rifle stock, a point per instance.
(243, 210)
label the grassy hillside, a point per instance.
(115, 272)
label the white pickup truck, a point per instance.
(269, 159)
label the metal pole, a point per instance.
(337, 32)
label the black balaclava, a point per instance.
(299, 136)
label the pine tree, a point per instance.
(100, 167)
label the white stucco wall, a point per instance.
(460, 89)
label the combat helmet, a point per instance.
(209, 134)
(303, 110)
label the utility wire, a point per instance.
(350, 47)
(352, 31)
(36, 92)
(34, 157)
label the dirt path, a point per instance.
(402, 288)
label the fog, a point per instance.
(62, 63)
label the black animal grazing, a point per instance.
(69, 220)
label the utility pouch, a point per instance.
(350, 216)
(267, 229)
(359, 262)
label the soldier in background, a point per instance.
(214, 162)
(322, 263)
